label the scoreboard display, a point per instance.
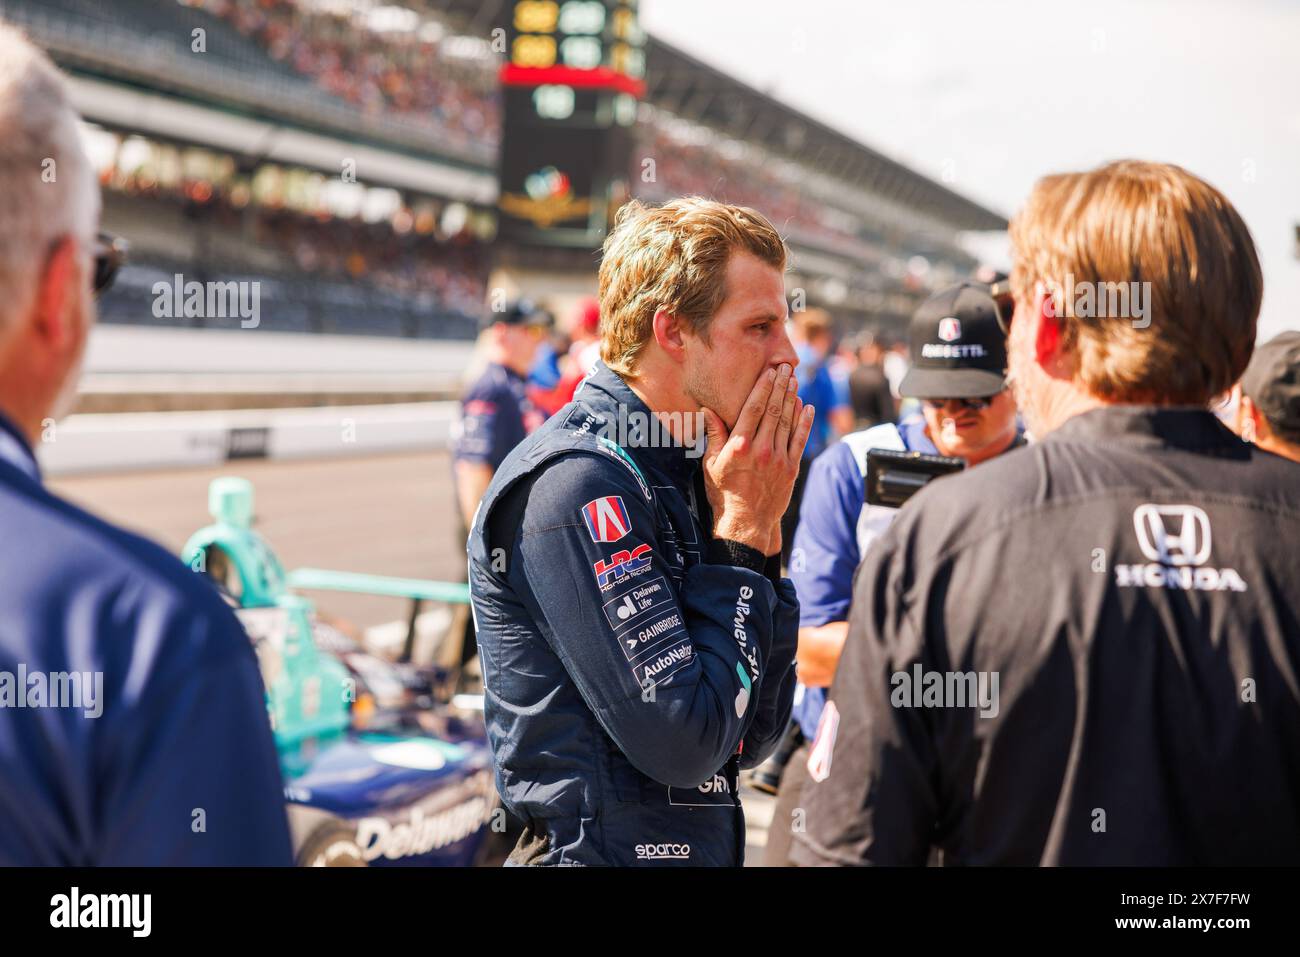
(574, 75)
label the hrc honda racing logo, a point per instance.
(627, 563)
(1176, 541)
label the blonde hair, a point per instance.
(673, 257)
(1135, 222)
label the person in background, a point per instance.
(1268, 409)
(545, 372)
(582, 354)
(159, 750)
(496, 413)
(840, 365)
(869, 395)
(812, 335)
(967, 413)
(895, 363)
(1109, 613)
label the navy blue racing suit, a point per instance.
(632, 664)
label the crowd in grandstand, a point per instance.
(400, 73)
(407, 254)
(686, 165)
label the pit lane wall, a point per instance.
(122, 442)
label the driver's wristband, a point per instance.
(724, 551)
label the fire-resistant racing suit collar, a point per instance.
(605, 391)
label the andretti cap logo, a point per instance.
(1176, 541)
(949, 329)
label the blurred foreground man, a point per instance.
(1268, 410)
(133, 725)
(1084, 651)
(636, 637)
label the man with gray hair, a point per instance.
(162, 752)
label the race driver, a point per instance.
(636, 637)
(959, 374)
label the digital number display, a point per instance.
(600, 36)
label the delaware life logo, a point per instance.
(606, 519)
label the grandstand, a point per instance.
(344, 155)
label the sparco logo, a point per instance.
(663, 852)
(1176, 540)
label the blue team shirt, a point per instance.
(816, 388)
(496, 415)
(826, 540)
(173, 762)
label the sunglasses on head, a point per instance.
(110, 253)
(974, 405)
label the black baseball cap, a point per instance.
(958, 348)
(1272, 381)
(520, 312)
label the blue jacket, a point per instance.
(156, 748)
(632, 664)
(495, 415)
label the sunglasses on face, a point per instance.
(1006, 303)
(974, 405)
(110, 253)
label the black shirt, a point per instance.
(1132, 583)
(870, 397)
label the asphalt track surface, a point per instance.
(384, 515)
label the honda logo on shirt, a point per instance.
(949, 329)
(1173, 534)
(606, 519)
(1175, 540)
